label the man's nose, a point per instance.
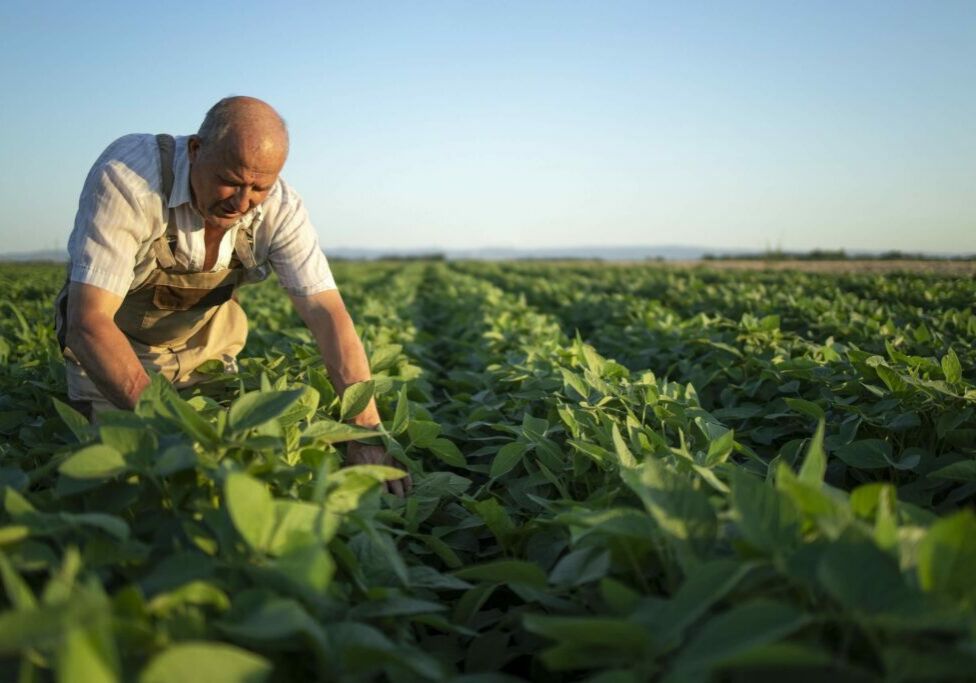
(242, 199)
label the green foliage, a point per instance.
(620, 474)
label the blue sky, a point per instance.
(465, 124)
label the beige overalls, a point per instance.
(174, 320)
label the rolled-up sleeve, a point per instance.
(111, 224)
(294, 252)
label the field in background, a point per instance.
(625, 473)
(958, 268)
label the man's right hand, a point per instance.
(100, 346)
(369, 454)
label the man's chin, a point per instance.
(219, 221)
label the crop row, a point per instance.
(896, 402)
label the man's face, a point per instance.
(230, 178)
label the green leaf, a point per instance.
(805, 407)
(94, 462)
(67, 607)
(705, 585)
(137, 444)
(192, 593)
(375, 472)
(863, 578)
(259, 407)
(350, 489)
(894, 381)
(588, 642)
(573, 381)
(251, 508)
(815, 463)
(15, 588)
(741, 629)
(534, 428)
(76, 421)
(951, 367)
(627, 459)
(423, 433)
(814, 502)
(330, 431)
(176, 458)
(206, 661)
(448, 452)
(88, 654)
(362, 650)
(321, 384)
(401, 416)
(297, 522)
(355, 399)
(767, 518)
(719, 449)
(272, 619)
(505, 571)
(508, 457)
(302, 409)
(13, 533)
(600, 455)
(682, 512)
(866, 454)
(783, 655)
(162, 397)
(395, 606)
(495, 517)
(964, 470)
(581, 566)
(384, 357)
(947, 556)
(308, 565)
(110, 524)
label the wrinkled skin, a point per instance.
(231, 176)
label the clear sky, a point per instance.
(464, 124)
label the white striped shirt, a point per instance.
(122, 211)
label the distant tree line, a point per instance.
(433, 256)
(833, 255)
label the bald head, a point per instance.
(235, 159)
(247, 126)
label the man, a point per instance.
(166, 229)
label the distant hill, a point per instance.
(55, 255)
(621, 253)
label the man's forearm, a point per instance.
(108, 359)
(346, 362)
(342, 351)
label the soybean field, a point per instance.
(621, 474)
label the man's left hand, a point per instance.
(366, 454)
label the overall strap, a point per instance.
(161, 248)
(167, 147)
(244, 247)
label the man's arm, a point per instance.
(346, 362)
(101, 347)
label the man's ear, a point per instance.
(193, 146)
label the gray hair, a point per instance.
(222, 117)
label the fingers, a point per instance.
(395, 487)
(400, 487)
(371, 455)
